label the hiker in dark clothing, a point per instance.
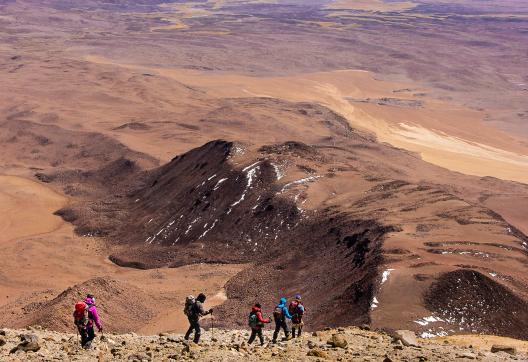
(256, 322)
(296, 309)
(85, 317)
(194, 313)
(281, 314)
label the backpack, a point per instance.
(80, 314)
(188, 310)
(253, 321)
(277, 313)
(296, 312)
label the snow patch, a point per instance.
(249, 176)
(433, 334)
(206, 231)
(374, 303)
(219, 183)
(278, 171)
(385, 275)
(426, 320)
(250, 166)
(300, 182)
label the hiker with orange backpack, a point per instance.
(281, 315)
(296, 309)
(256, 321)
(85, 316)
(194, 310)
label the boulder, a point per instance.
(408, 338)
(29, 342)
(338, 341)
(501, 348)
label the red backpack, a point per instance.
(295, 311)
(80, 314)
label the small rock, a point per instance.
(398, 345)
(2, 341)
(2, 332)
(467, 355)
(190, 347)
(316, 353)
(311, 344)
(138, 357)
(387, 359)
(501, 348)
(337, 340)
(340, 329)
(364, 327)
(408, 338)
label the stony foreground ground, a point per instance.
(343, 344)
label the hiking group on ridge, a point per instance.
(86, 317)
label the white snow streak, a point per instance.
(250, 175)
(218, 183)
(385, 275)
(301, 181)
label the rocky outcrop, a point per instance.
(231, 345)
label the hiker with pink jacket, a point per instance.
(85, 317)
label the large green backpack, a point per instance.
(253, 321)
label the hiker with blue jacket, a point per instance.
(281, 315)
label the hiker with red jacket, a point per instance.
(256, 322)
(85, 316)
(281, 314)
(296, 309)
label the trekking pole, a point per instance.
(77, 330)
(212, 326)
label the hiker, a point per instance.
(281, 314)
(194, 310)
(296, 309)
(85, 316)
(256, 322)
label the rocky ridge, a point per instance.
(342, 344)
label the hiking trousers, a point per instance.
(298, 327)
(194, 324)
(278, 325)
(87, 335)
(256, 332)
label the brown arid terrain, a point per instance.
(370, 155)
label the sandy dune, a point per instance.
(27, 207)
